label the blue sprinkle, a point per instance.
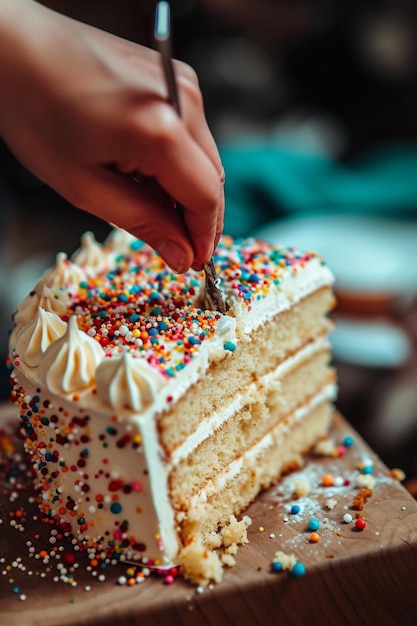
(276, 566)
(298, 570)
(367, 469)
(295, 509)
(193, 341)
(348, 441)
(115, 508)
(123, 297)
(229, 345)
(314, 524)
(134, 317)
(156, 311)
(137, 244)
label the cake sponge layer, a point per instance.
(282, 450)
(250, 416)
(255, 355)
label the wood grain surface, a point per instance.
(353, 577)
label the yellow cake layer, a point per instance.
(258, 410)
(255, 355)
(283, 450)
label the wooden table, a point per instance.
(353, 577)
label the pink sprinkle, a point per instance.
(169, 579)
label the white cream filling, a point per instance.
(210, 425)
(217, 484)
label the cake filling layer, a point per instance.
(247, 419)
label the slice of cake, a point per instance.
(151, 423)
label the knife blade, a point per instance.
(213, 297)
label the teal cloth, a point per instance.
(266, 181)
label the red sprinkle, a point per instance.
(360, 524)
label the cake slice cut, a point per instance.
(151, 423)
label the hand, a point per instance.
(82, 109)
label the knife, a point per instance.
(213, 298)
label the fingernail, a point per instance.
(174, 255)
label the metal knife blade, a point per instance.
(213, 298)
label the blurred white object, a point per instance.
(370, 343)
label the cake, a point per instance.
(152, 423)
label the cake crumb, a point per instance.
(234, 531)
(366, 481)
(397, 474)
(228, 560)
(199, 564)
(325, 447)
(361, 499)
(301, 487)
(232, 549)
(331, 503)
(287, 560)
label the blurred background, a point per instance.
(313, 105)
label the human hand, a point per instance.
(83, 109)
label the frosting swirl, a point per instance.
(63, 275)
(90, 255)
(119, 240)
(34, 338)
(125, 382)
(52, 300)
(70, 362)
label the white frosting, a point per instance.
(293, 287)
(218, 484)
(49, 299)
(69, 364)
(90, 255)
(63, 275)
(125, 382)
(119, 240)
(34, 338)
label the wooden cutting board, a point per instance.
(352, 576)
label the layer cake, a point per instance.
(152, 423)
